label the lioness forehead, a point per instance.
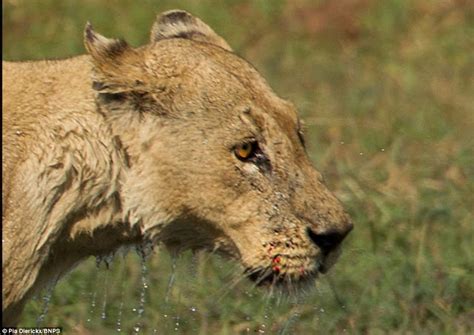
(211, 70)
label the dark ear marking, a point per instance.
(175, 16)
(89, 33)
(117, 48)
(116, 65)
(181, 24)
(108, 98)
(100, 47)
(189, 34)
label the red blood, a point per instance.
(277, 259)
(276, 269)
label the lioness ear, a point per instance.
(101, 47)
(180, 24)
(114, 62)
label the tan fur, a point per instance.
(127, 145)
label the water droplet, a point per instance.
(92, 309)
(145, 249)
(46, 300)
(122, 290)
(172, 277)
(119, 317)
(104, 298)
(106, 259)
(143, 252)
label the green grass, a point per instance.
(387, 92)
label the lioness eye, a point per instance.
(245, 151)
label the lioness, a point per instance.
(178, 142)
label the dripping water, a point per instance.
(45, 307)
(103, 315)
(119, 316)
(92, 303)
(172, 278)
(169, 287)
(104, 259)
(99, 260)
(267, 307)
(122, 289)
(176, 323)
(143, 251)
(193, 268)
(107, 261)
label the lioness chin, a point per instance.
(179, 142)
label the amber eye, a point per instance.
(245, 150)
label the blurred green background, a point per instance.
(386, 89)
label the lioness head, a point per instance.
(217, 160)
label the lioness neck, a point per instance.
(62, 170)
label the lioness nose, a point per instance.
(328, 240)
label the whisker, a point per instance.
(229, 287)
(264, 275)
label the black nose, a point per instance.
(328, 240)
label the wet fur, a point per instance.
(127, 145)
